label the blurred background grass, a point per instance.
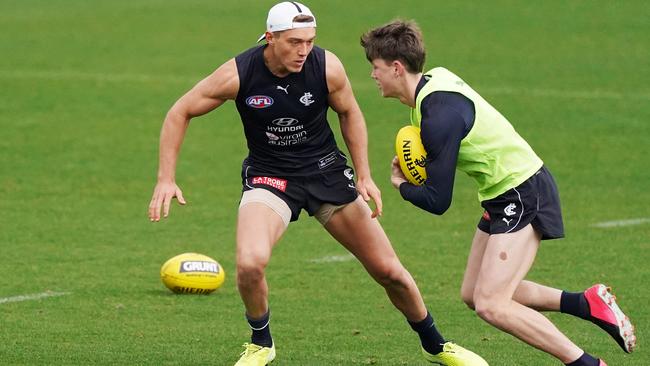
(84, 86)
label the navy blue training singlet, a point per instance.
(285, 119)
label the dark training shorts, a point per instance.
(310, 192)
(536, 201)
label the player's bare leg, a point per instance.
(528, 293)
(601, 309)
(258, 230)
(366, 240)
(506, 261)
(353, 227)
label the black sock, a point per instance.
(261, 330)
(585, 360)
(430, 338)
(576, 304)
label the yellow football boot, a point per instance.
(455, 355)
(255, 355)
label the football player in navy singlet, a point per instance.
(282, 91)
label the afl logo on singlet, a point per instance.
(259, 101)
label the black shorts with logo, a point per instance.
(308, 192)
(536, 201)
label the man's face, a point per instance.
(292, 47)
(384, 75)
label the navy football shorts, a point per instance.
(536, 201)
(310, 192)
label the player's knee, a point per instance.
(467, 294)
(391, 276)
(490, 309)
(250, 269)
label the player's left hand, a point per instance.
(368, 190)
(397, 177)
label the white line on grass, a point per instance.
(333, 258)
(619, 223)
(4, 300)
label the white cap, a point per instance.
(281, 17)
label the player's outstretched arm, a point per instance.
(207, 95)
(353, 128)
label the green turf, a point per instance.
(84, 87)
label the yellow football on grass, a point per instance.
(411, 154)
(192, 273)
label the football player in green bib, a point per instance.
(460, 130)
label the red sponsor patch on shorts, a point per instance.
(277, 183)
(486, 216)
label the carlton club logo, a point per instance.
(510, 209)
(306, 99)
(259, 101)
(421, 162)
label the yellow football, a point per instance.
(192, 273)
(411, 154)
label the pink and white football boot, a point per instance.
(606, 314)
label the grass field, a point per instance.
(84, 87)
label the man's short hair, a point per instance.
(396, 41)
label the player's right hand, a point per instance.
(162, 198)
(397, 177)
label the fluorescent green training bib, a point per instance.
(492, 153)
